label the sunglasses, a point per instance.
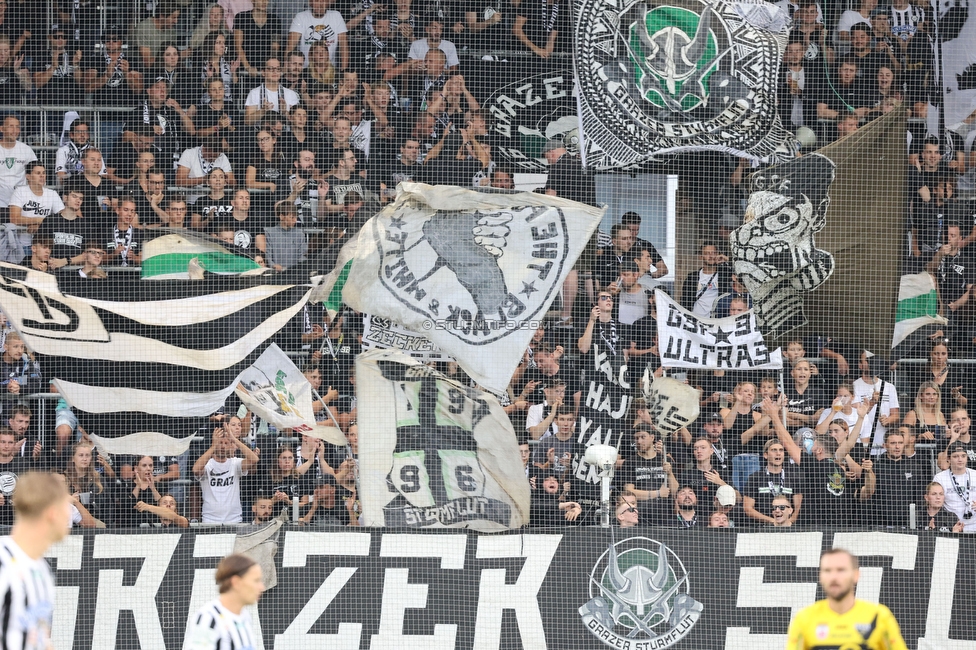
(775, 508)
(606, 297)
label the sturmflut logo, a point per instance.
(687, 74)
(471, 271)
(640, 597)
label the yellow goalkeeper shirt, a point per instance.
(865, 627)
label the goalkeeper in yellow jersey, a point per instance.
(841, 621)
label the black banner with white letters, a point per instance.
(546, 588)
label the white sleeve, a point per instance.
(298, 24)
(60, 160)
(417, 50)
(31, 156)
(57, 205)
(19, 196)
(253, 97)
(534, 415)
(452, 56)
(239, 467)
(291, 97)
(203, 634)
(340, 23)
(186, 159)
(223, 163)
(892, 393)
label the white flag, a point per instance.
(475, 272)
(277, 391)
(438, 454)
(672, 404)
(689, 341)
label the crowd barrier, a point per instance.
(546, 589)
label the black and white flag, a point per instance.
(689, 341)
(774, 251)
(438, 454)
(166, 348)
(682, 76)
(474, 271)
(672, 404)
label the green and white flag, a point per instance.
(329, 291)
(918, 306)
(168, 258)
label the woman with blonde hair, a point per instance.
(927, 415)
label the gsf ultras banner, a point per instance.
(686, 75)
(475, 272)
(438, 453)
(689, 341)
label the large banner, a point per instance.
(168, 350)
(688, 75)
(561, 589)
(801, 251)
(475, 271)
(689, 341)
(957, 28)
(438, 453)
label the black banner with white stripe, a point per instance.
(349, 588)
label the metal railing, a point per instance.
(81, 109)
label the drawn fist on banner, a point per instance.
(492, 232)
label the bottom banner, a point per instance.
(550, 588)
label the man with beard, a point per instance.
(263, 510)
(840, 620)
(685, 509)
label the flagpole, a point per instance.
(355, 471)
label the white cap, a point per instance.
(725, 495)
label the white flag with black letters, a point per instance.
(438, 454)
(689, 341)
(475, 272)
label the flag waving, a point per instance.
(475, 272)
(438, 454)
(690, 341)
(276, 390)
(168, 348)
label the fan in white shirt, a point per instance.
(14, 156)
(269, 97)
(219, 474)
(30, 203)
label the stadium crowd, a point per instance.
(285, 127)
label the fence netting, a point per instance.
(583, 281)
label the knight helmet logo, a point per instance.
(674, 52)
(639, 592)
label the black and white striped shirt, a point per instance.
(26, 599)
(217, 628)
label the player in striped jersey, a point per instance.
(41, 518)
(223, 624)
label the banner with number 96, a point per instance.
(434, 453)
